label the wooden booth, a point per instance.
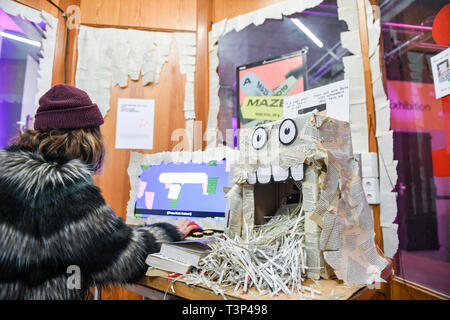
(191, 91)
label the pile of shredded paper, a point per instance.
(270, 258)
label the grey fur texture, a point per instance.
(52, 216)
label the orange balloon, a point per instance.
(441, 26)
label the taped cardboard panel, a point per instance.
(349, 14)
(108, 56)
(353, 71)
(387, 165)
(351, 41)
(388, 205)
(214, 101)
(390, 240)
(375, 66)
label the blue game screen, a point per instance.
(183, 189)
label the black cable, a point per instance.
(57, 7)
(64, 15)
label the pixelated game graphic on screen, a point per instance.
(178, 189)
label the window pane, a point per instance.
(421, 142)
(19, 64)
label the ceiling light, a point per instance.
(308, 32)
(24, 40)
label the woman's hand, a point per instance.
(184, 226)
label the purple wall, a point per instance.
(11, 91)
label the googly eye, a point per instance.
(259, 138)
(287, 132)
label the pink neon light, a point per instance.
(402, 25)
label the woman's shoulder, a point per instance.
(30, 171)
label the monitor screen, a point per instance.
(260, 83)
(192, 190)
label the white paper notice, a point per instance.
(332, 98)
(440, 64)
(134, 127)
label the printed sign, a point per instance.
(134, 127)
(440, 64)
(332, 100)
(264, 108)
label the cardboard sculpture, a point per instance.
(339, 228)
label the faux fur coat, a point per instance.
(54, 221)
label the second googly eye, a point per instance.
(259, 138)
(287, 132)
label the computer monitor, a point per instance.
(192, 190)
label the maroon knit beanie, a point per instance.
(66, 107)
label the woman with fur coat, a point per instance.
(54, 218)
